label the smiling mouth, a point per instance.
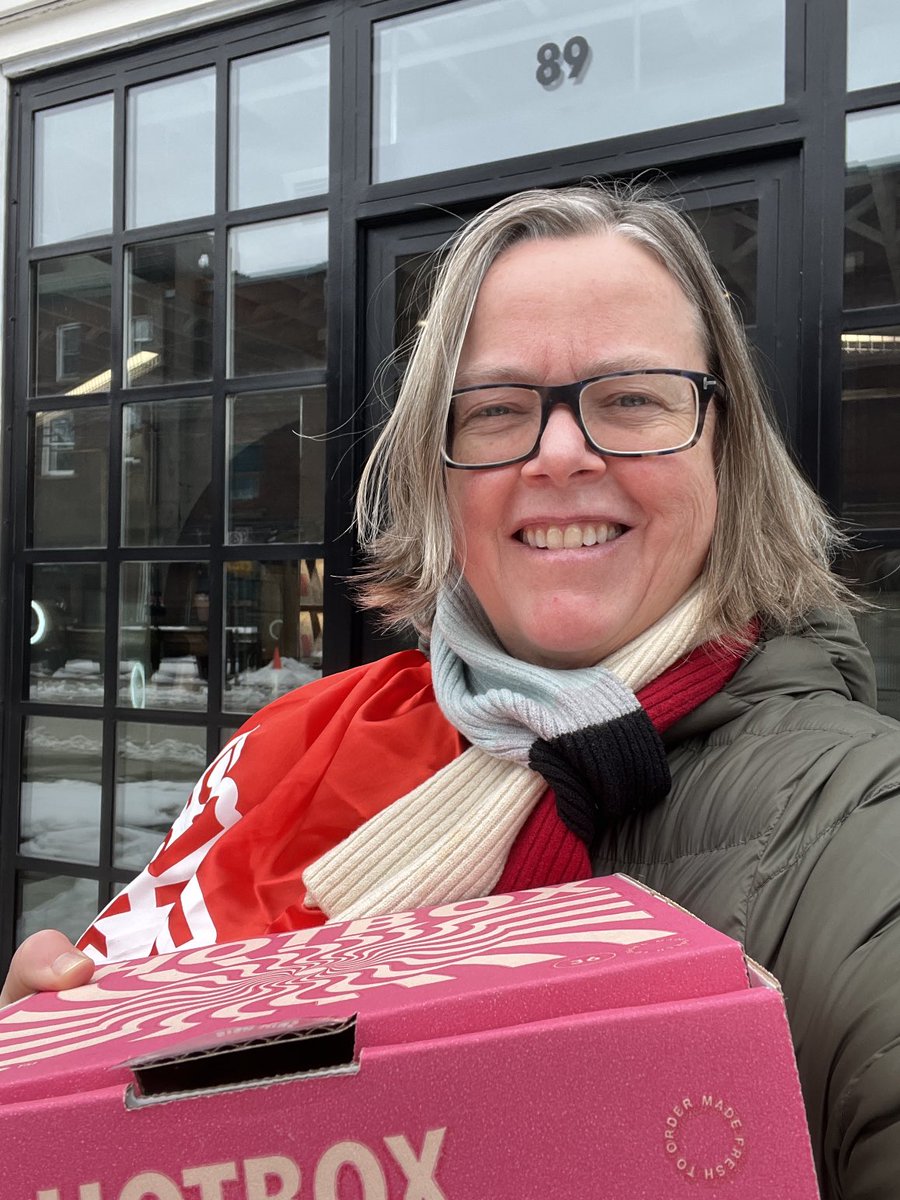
(569, 537)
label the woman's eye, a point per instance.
(633, 399)
(495, 410)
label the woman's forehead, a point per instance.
(601, 300)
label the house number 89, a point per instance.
(574, 53)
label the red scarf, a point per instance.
(306, 772)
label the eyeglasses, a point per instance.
(627, 415)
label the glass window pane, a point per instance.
(54, 902)
(277, 295)
(68, 477)
(71, 330)
(166, 473)
(68, 628)
(60, 791)
(276, 466)
(171, 149)
(73, 170)
(413, 283)
(156, 768)
(480, 80)
(872, 209)
(870, 426)
(164, 635)
(731, 233)
(279, 125)
(170, 301)
(273, 630)
(873, 33)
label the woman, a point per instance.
(580, 503)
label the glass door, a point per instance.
(747, 217)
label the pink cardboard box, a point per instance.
(590, 1040)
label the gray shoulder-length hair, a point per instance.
(773, 539)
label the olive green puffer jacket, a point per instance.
(782, 829)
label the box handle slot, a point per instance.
(328, 1047)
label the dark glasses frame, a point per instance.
(708, 388)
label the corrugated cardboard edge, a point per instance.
(134, 1101)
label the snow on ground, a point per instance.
(176, 684)
(144, 811)
(80, 681)
(57, 903)
(61, 819)
(251, 690)
(142, 744)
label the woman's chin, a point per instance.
(562, 653)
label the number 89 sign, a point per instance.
(575, 54)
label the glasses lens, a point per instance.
(640, 413)
(492, 425)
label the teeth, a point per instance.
(569, 537)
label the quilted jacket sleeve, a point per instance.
(839, 965)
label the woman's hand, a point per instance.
(45, 962)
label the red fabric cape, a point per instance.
(307, 771)
(297, 778)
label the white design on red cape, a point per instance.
(142, 927)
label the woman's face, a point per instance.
(551, 312)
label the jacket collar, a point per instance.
(825, 654)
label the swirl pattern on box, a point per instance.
(326, 971)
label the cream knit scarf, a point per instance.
(582, 731)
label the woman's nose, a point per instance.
(564, 450)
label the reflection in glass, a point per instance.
(72, 318)
(68, 477)
(873, 33)
(73, 170)
(870, 426)
(279, 125)
(226, 734)
(169, 320)
(276, 301)
(276, 466)
(54, 902)
(731, 233)
(875, 575)
(273, 630)
(164, 634)
(413, 279)
(872, 209)
(68, 628)
(166, 472)
(480, 80)
(156, 768)
(170, 146)
(60, 791)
